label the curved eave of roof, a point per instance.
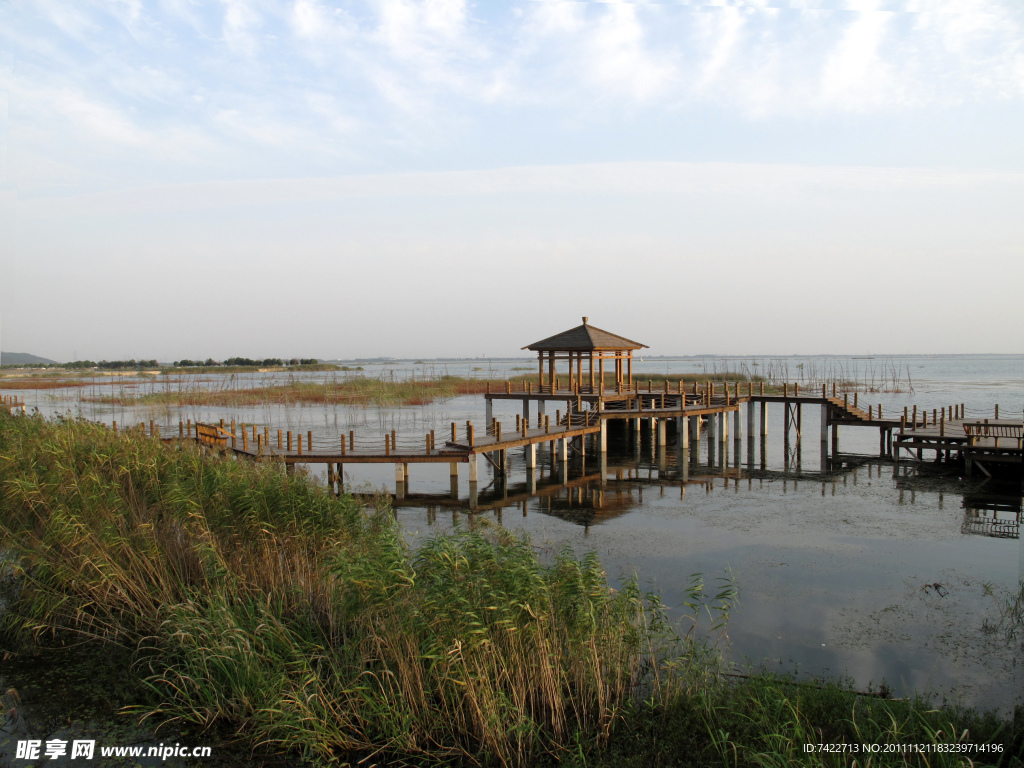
(582, 339)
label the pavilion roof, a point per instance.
(584, 338)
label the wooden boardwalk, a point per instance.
(658, 405)
(590, 410)
(979, 443)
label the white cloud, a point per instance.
(241, 22)
(621, 59)
(855, 76)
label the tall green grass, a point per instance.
(258, 600)
(257, 604)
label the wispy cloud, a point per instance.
(423, 73)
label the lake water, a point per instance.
(856, 567)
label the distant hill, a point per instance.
(22, 358)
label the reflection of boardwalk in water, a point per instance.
(594, 492)
(993, 515)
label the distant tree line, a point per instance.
(112, 365)
(245, 361)
(118, 365)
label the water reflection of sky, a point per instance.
(832, 567)
(832, 573)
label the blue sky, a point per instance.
(449, 178)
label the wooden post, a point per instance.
(279, 439)
(289, 439)
(181, 428)
(997, 410)
(914, 418)
(454, 438)
(785, 389)
(342, 442)
(309, 442)
(387, 445)
(394, 441)
(469, 430)
(300, 444)
(762, 388)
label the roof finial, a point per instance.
(585, 320)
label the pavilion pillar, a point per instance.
(540, 370)
(600, 368)
(629, 367)
(551, 369)
(591, 370)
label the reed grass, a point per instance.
(255, 599)
(258, 605)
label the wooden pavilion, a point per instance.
(585, 342)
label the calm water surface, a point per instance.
(854, 567)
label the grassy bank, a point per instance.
(255, 603)
(358, 390)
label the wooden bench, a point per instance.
(983, 429)
(212, 435)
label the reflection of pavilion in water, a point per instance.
(602, 488)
